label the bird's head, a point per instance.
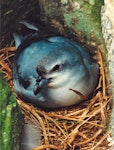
(57, 68)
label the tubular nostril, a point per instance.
(39, 79)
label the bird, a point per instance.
(52, 71)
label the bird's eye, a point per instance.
(56, 68)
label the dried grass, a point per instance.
(79, 127)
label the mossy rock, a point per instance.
(11, 118)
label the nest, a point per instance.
(80, 127)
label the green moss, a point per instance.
(86, 18)
(10, 118)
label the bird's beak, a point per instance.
(40, 84)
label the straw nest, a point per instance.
(81, 127)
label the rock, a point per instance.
(107, 17)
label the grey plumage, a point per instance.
(53, 72)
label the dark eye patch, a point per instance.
(56, 68)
